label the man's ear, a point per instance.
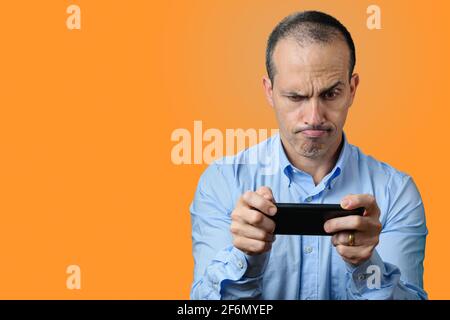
(354, 82)
(268, 90)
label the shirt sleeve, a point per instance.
(221, 271)
(395, 270)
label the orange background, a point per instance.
(86, 118)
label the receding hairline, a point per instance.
(309, 33)
(308, 27)
(313, 32)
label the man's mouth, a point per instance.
(314, 133)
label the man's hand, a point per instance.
(252, 230)
(366, 229)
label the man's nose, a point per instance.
(313, 113)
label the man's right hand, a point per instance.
(252, 230)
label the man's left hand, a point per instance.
(355, 237)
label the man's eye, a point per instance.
(330, 95)
(295, 98)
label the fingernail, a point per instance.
(272, 210)
(345, 203)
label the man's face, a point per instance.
(311, 94)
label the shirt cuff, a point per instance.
(364, 276)
(254, 265)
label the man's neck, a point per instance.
(318, 167)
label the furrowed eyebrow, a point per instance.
(331, 87)
(294, 93)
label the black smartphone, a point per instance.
(307, 219)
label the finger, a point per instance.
(366, 201)
(345, 224)
(258, 219)
(339, 238)
(342, 238)
(257, 201)
(266, 192)
(251, 246)
(249, 231)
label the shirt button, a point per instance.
(361, 277)
(308, 249)
(309, 199)
(240, 264)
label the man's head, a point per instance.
(310, 59)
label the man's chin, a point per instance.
(311, 149)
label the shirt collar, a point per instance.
(287, 167)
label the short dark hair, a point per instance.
(308, 27)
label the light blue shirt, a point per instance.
(306, 267)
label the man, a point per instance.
(310, 85)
